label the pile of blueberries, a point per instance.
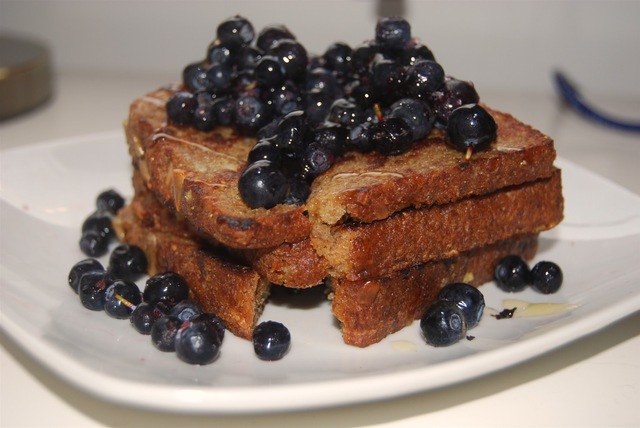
(307, 111)
(162, 309)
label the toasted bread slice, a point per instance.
(196, 174)
(369, 310)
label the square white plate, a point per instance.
(48, 189)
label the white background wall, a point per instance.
(497, 44)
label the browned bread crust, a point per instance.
(369, 310)
(196, 174)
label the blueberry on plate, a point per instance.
(163, 333)
(468, 298)
(546, 277)
(109, 201)
(121, 298)
(127, 262)
(186, 310)
(80, 268)
(91, 289)
(271, 340)
(443, 324)
(512, 274)
(93, 244)
(145, 315)
(197, 342)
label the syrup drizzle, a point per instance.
(164, 135)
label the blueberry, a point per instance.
(285, 99)
(455, 93)
(109, 201)
(468, 298)
(362, 93)
(386, 78)
(271, 340)
(100, 222)
(416, 113)
(220, 53)
(219, 77)
(251, 113)
(337, 57)
(392, 136)
(222, 109)
(236, 31)
(323, 80)
(292, 133)
(317, 104)
(127, 262)
(262, 185)
(204, 117)
(145, 315)
(269, 72)
(180, 108)
(185, 310)
(316, 160)
(423, 78)
(265, 149)
(344, 112)
(512, 274)
(292, 56)
(215, 321)
(163, 333)
(334, 138)
(470, 128)
(197, 342)
(91, 289)
(546, 277)
(121, 298)
(362, 56)
(271, 34)
(443, 324)
(393, 32)
(80, 268)
(410, 55)
(168, 287)
(194, 77)
(360, 137)
(299, 191)
(93, 243)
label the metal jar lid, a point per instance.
(25, 75)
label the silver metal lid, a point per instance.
(25, 75)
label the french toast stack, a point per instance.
(384, 233)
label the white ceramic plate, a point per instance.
(48, 189)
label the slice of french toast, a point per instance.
(369, 310)
(196, 174)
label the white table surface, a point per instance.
(594, 381)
